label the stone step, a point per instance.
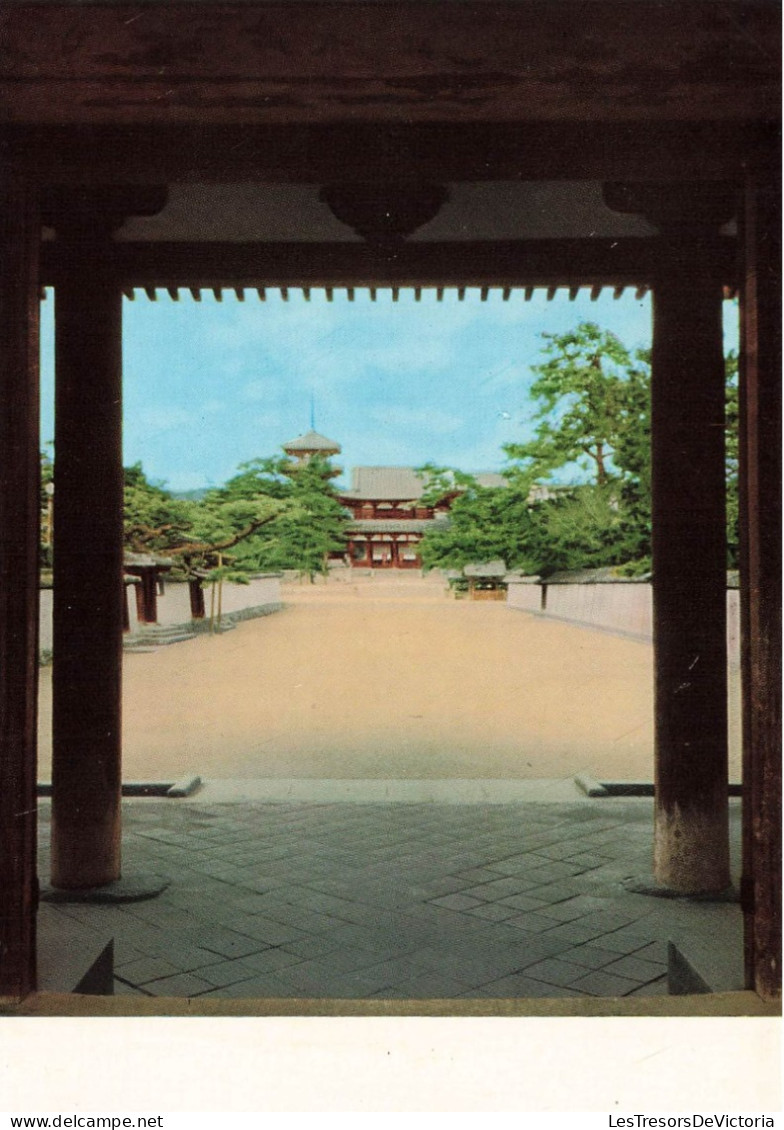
(71, 957)
(225, 625)
(158, 636)
(707, 961)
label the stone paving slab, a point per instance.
(399, 901)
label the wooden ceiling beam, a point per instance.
(355, 152)
(382, 62)
(550, 263)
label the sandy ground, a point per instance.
(383, 678)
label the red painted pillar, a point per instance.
(20, 526)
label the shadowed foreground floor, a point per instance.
(395, 901)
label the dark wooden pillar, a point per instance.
(691, 830)
(88, 563)
(691, 834)
(147, 596)
(196, 593)
(20, 518)
(691, 845)
(760, 500)
(88, 535)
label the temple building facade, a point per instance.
(389, 516)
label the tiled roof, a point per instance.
(485, 569)
(145, 560)
(400, 484)
(311, 441)
(393, 525)
(491, 479)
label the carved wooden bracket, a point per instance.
(98, 211)
(676, 209)
(384, 214)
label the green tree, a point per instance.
(586, 527)
(314, 524)
(593, 408)
(592, 413)
(308, 523)
(485, 524)
(196, 535)
(47, 510)
(154, 521)
(265, 476)
(732, 440)
(241, 514)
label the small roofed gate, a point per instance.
(484, 129)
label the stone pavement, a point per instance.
(396, 900)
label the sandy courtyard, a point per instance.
(383, 678)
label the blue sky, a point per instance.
(209, 385)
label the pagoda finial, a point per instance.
(312, 412)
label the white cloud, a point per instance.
(164, 418)
(271, 419)
(264, 390)
(429, 420)
(212, 407)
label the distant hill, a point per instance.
(191, 495)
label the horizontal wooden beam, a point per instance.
(473, 61)
(549, 263)
(349, 151)
(505, 292)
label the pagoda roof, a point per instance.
(312, 441)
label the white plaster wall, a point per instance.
(174, 607)
(45, 628)
(624, 607)
(526, 597)
(733, 624)
(130, 599)
(235, 598)
(45, 605)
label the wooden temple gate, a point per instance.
(342, 96)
